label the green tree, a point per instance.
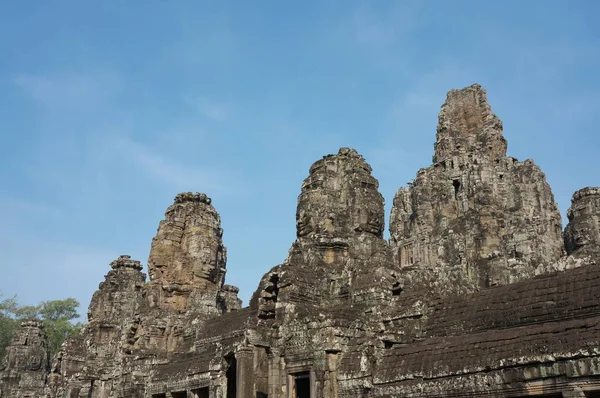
(7, 322)
(26, 312)
(56, 316)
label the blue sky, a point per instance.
(110, 108)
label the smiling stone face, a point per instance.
(187, 259)
(582, 235)
(339, 198)
(187, 247)
(340, 254)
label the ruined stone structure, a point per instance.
(475, 218)
(23, 370)
(477, 293)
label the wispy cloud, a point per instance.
(75, 91)
(218, 112)
(31, 258)
(371, 30)
(388, 26)
(168, 170)
(83, 266)
(385, 36)
(11, 206)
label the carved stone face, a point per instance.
(583, 231)
(303, 223)
(581, 236)
(339, 198)
(374, 223)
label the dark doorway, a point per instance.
(200, 392)
(159, 395)
(231, 375)
(91, 390)
(456, 184)
(179, 394)
(302, 384)
(592, 394)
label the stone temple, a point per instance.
(478, 292)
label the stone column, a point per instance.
(330, 389)
(275, 384)
(245, 374)
(313, 380)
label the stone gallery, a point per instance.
(478, 292)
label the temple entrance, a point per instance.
(301, 387)
(231, 376)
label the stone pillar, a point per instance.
(261, 372)
(277, 377)
(330, 389)
(245, 374)
(289, 386)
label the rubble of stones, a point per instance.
(477, 293)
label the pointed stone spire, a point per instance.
(466, 124)
(476, 217)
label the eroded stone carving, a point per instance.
(25, 365)
(476, 217)
(582, 235)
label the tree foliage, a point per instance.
(56, 316)
(7, 323)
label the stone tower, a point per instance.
(476, 217)
(187, 259)
(25, 364)
(186, 266)
(339, 226)
(582, 235)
